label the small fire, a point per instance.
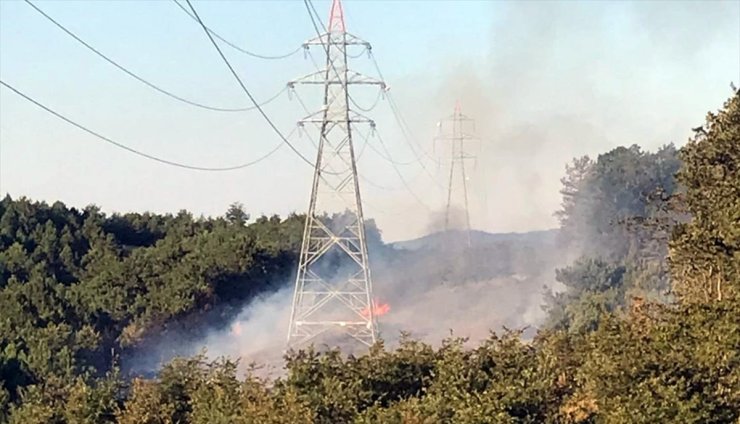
(378, 309)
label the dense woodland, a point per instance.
(646, 329)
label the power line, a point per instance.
(388, 158)
(381, 154)
(400, 176)
(400, 120)
(318, 290)
(351, 99)
(358, 55)
(363, 148)
(132, 150)
(378, 186)
(310, 8)
(234, 46)
(361, 152)
(369, 108)
(309, 4)
(244, 88)
(140, 79)
(458, 157)
(419, 159)
(304, 107)
(406, 130)
(311, 12)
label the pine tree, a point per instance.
(705, 253)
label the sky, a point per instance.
(545, 81)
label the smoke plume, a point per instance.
(560, 80)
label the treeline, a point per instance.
(78, 288)
(617, 214)
(647, 329)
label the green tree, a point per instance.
(593, 289)
(236, 214)
(681, 363)
(705, 253)
(145, 405)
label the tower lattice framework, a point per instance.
(333, 290)
(458, 136)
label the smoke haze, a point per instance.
(560, 81)
(567, 79)
(436, 287)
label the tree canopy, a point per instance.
(75, 284)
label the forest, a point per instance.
(645, 330)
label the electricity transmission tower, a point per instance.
(458, 137)
(333, 290)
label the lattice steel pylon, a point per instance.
(457, 139)
(333, 290)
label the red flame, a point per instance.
(378, 309)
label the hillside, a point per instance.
(643, 329)
(544, 239)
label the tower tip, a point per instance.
(457, 107)
(336, 17)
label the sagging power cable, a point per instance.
(141, 79)
(314, 16)
(233, 45)
(244, 88)
(135, 151)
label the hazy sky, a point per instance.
(546, 81)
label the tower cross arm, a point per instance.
(459, 117)
(358, 78)
(354, 118)
(320, 78)
(312, 78)
(468, 137)
(347, 40)
(463, 136)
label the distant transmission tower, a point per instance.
(333, 290)
(458, 137)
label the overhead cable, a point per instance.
(142, 80)
(138, 152)
(365, 141)
(403, 180)
(418, 157)
(388, 158)
(311, 12)
(406, 129)
(234, 46)
(400, 120)
(314, 15)
(369, 108)
(381, 154)
(351, 99)
(244, 88)
(378, 186)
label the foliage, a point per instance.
(594, 289)
(74, 283)
(705, 253)
(666, 365)
(615, 215)
(600, 198)
(77, 285)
